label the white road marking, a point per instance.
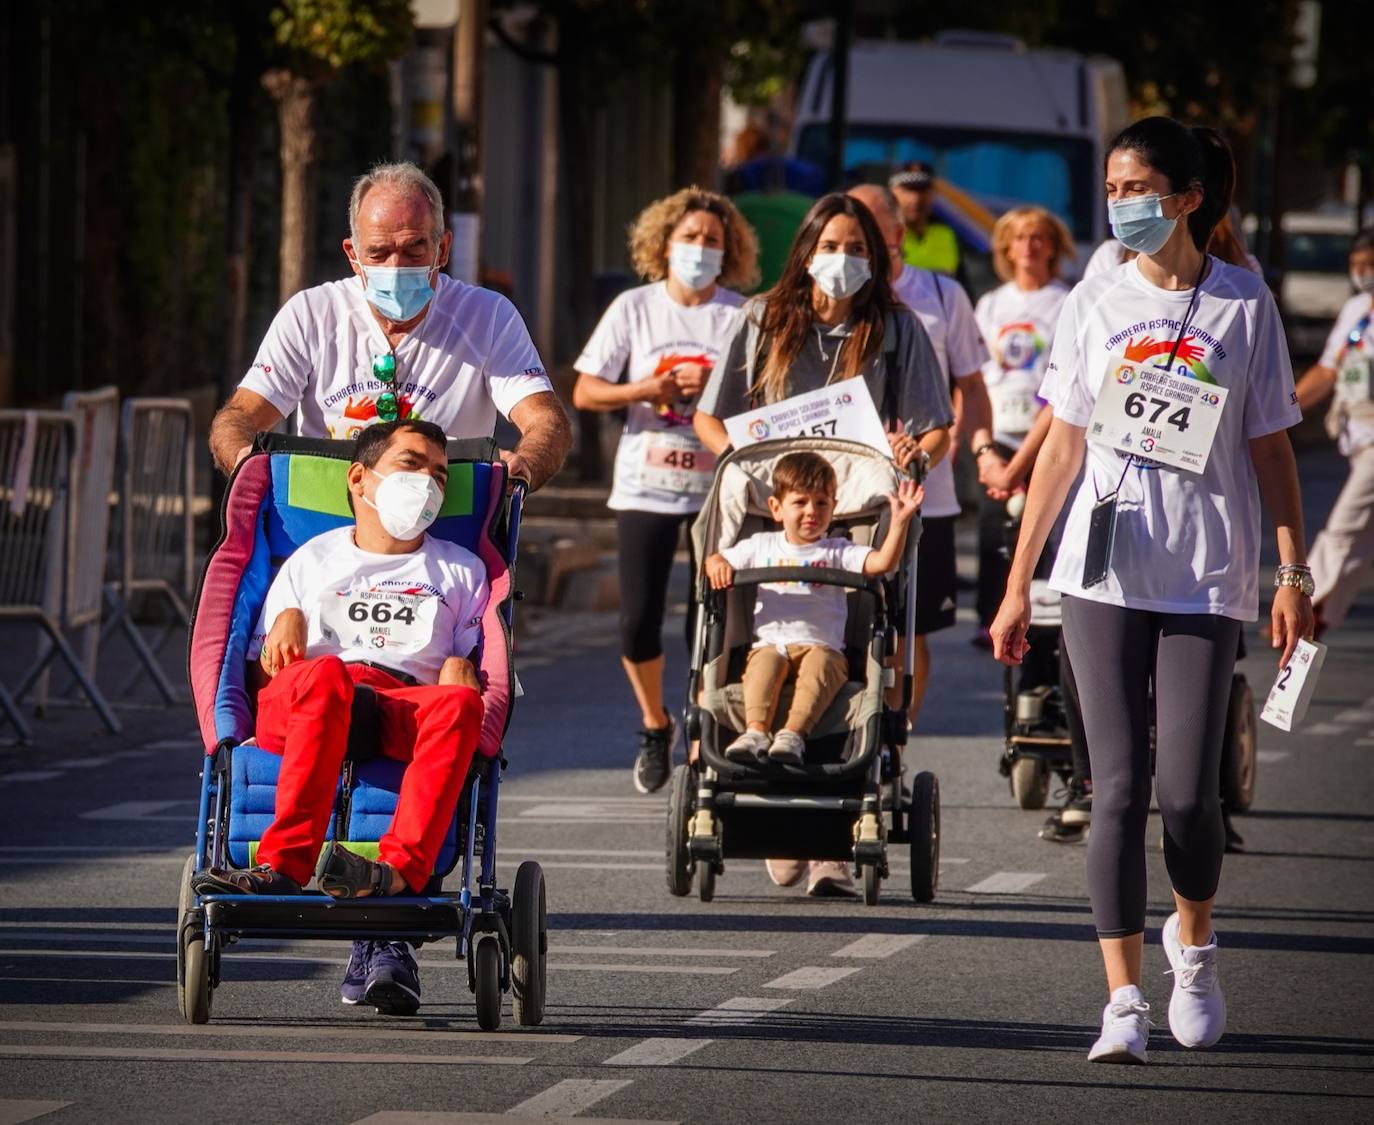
(616, 813)
(1324, 730)
(84, 763)
(569, 1097)
(443, 1117)
(90, 980)
(659, 951)
(204, 1054)
(642, 853)
(1270, 755)
(15, 1111)
(1006, 883)
(134, 810)
(657, 1052)
(878, 945)
(677, 970)
(31, 775)
(255, 1031)
(739, 1011)
(173, 744)
(658, 805)
(1353, 715)
(812, 976)
(1368, 741)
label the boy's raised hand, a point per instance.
(720, 572)
(906, 501)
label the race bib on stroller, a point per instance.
(378, 621)
(676, 462)
(1157, 414)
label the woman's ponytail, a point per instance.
(1218, 178)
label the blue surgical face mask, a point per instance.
(1138, 223)
(399, 293)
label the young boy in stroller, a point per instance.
(800, 627)
(383, 606)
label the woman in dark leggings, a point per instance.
(1172, 391)
(650, 356)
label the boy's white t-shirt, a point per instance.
(469, 357)
(659, 465)
(1185, 543)
(944, 309)
(409, 612)
(798, 613)
(1018, 326)
(1358, 430)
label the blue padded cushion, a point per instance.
(376, 785)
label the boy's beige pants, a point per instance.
(820, 672)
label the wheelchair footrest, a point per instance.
(298, 916)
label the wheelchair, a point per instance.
(847, 802)
(286, 491)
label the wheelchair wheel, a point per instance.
(1030, 782)
(194, 968)
(924, 828)
(679, 819)
(872, 885)
(529, 945)
(1238, 763)
(706, 881)
(487, 959)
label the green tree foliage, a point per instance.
(322, 37)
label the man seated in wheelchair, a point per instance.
(800, 626)
(384, 606)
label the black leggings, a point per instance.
(647, 542)
(1192, 657)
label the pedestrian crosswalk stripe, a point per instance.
(269, 1031)
(657, 1051)
(207, 1054)
(570, 1097)
(15, 1111)
(878, 945)
(1006, 883)
(739, 1011)
(811, 976)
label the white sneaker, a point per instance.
(786, 872)
(1125, 1028)
(1197, 1009)
(788, 747)
(748, 747)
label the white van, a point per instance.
(1007, 124)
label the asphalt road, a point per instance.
(763, 1006)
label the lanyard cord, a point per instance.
(835, 360)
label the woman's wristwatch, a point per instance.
(1296, 575)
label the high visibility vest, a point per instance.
(936, 250)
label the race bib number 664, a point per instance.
(1157, 414)
(378, 620)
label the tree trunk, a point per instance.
(576, 143)
(697, 68)
(243, 136)
(295, 98)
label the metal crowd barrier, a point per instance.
(154, 535)
(42, 577)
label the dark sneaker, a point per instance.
(355, 976)
(393, 979)
(1057, 832)
(258, 880)
(655, 761)
(1078, 809)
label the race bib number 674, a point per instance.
(1157, 414)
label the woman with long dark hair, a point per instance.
(1170, 375)
(832, 317)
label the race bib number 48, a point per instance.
(676, 463)
(378, 621)
(1157, 414)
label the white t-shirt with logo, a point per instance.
(798, 613)
(1018, 326)
(1358, 431)
(1185, 543)
(470, 357)
(409, 612)
(659, 465)
(944, 308)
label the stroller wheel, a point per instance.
(487, 957)
(679, 818)
(529, 945)
(1030, 782)
(873, 883)
(706, 881)
(924, 829)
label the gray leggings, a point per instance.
(1191, 657)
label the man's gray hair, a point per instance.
(894, 209)
(403, 176)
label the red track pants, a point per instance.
(303, 715)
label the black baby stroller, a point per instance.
(846, 803)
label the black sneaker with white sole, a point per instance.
(655, 761)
